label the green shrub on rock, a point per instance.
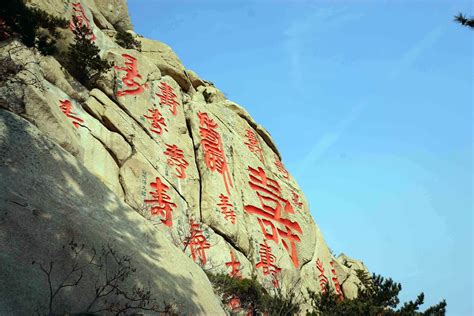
(377, 296)
(253, 297)
(32, 26)
(126, 40)
(82, 59)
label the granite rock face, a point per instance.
(49, 198)
(155, 161)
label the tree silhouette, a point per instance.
(377, 296)
(461, 18)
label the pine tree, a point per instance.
(377, 296)
(461, 18)
(25, 23)
(254, 297)
(126, 40)
(83, 60)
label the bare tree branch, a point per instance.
(111, 290)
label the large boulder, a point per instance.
(166, 60)
(115, 12)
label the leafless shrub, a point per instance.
(16, 74)
(110, 293)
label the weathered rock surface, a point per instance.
(166, 60)
(50, 198)
(155, 160)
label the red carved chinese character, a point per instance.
(235, 265)
(296, 200)
(66, 106)
(197, 243)
(161, 202)
(253, 144)
(227, 208)
(272, 204)
(336, 282)
(234, 304)
(131, 69)
(176, 158)
(323, 280)
(80, 20)
(167, 97)
(267, 262)
(211, 143)
(281, 168)
(157, 121)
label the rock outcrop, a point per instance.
(154, 161)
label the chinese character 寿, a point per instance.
(161, 202)
(267, 262)
(296, 200)
(131, 69)
(66, 106)
(281, 168)
(235, 265)
(272, 206)
(157, 121)
(211, 143)
(167, 97)
(80, 19)
(253, 144)
(336, 282)
(227, 208)
(176, 158)
(323, 280)
(197, 243)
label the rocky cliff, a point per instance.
(154, 163)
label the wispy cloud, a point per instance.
(331, 137)
(414, 53)
(305, 30)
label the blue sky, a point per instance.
(370, 104)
